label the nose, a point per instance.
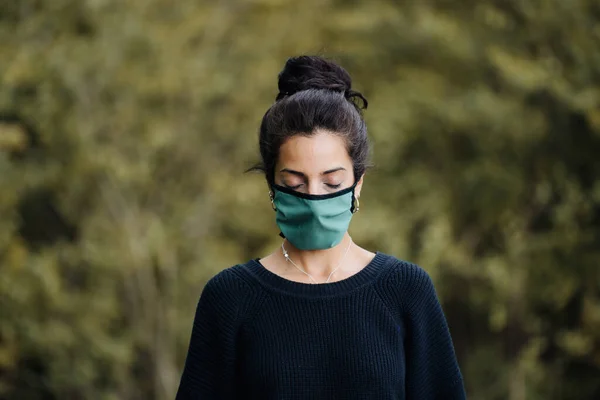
(315, 187)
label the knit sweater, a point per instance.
(379, 334)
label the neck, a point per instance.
(318, 263)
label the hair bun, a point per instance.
(313, 72)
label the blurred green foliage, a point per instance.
(125, 127)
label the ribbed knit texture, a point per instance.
(379, 334)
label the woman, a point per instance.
(320, 317)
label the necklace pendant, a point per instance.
(288, 259)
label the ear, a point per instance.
(358, 187)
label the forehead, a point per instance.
(317, 153)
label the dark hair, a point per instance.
(314, 93)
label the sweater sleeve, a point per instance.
(432, 370)
(210, 362)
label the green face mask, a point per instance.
(313, 222)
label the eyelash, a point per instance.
(331, 186)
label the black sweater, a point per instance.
(379, 334)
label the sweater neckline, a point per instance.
(366, 275)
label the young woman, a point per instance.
(320, 317)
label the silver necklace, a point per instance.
(287, 258)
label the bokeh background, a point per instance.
(126, 127)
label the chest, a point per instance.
(335, 344)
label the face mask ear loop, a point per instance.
(355, 204)
(272, 198)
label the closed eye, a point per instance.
(327, 184)
(293, 187)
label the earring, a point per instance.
(355, 204)
(272, 202)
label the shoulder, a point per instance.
(405, 284)
(230, 290)
(228, 280)
(404, 274)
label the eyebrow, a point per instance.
(329, 171)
